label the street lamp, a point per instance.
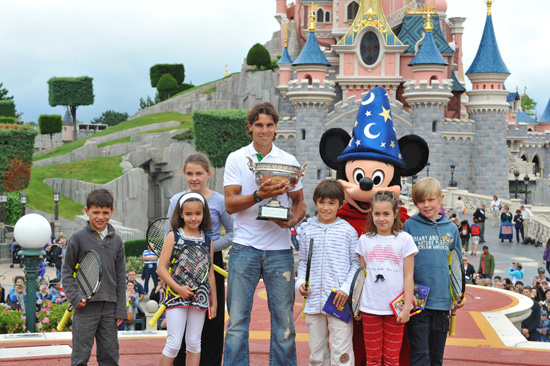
(23, 203)
(56, 200)
(526, 179)
(414, 178)
(452, 183)
(3, 200)
(516, 175)
(428, 169)
(32, 232)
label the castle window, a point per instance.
(327, 17)
(353, 8)
(318, 174)
(309, 80)
(370, 48)
(320, 16)
(432, 79)
(303, 134)
(434, 126)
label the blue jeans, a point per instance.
(246, 266)
(427, 333)
(149, 273)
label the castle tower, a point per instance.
(428, 97)
(285, 69)
(311, 93)
(487, 105)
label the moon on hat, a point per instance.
(369, 101)
(367, 132)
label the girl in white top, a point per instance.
(495, 210)
(388, 255)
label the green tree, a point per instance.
(50, 124)
(4, 92)
(157, 71)
(528, 105)
(71, 92)
(111, 118)
(7, 108)
(258, 56)
(166, 84)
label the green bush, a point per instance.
(7, 120)
(16, 149)
(135, 248)
(13, 207)
(50, 315)
(7, 108)
(50, 124)
(258, 56)
(134, 264)
(166, 84)
(157, 71)
(11, 321)
(111, 118)
(188, 134)
(218, 133)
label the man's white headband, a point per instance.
(187, 196)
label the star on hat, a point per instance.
(373, 136)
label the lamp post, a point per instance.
(516, 175)
(32, 232)
(414, 177)
(428, 169)
(452, 183)
(3, 200)
(23, 203)
(526, 179)
(56, 200)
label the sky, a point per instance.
(116, 42)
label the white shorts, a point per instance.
(475, 240)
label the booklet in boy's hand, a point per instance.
(421, 295)
(342, 313)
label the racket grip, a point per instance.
(64, 320)
(304, 307)
(157, 315)
(453, 322)
(220, 271)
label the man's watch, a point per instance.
(256, 197)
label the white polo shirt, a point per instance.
(260, 234)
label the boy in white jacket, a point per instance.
(333, 264)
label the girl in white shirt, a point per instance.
(387, 253)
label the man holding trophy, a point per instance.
(261, 247)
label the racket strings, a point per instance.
(88, 275)
(356, 290)
(156, 234)
(456, 275)
(191, 266)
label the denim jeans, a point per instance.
(246, 266)
(427, 335)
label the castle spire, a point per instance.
(489, 6)
(312, 23)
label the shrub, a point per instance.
(111, 118)
(50, 124)
(50, 315)
(157, 71)
(134, 264)
(11, 321)
(166, 84)
(7, 108)
(188, 134)
(258, 56)
(135, 248)
(8, 120)
(218, 133)
(16, 149)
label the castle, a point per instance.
(335, 51)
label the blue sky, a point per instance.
(116, 42)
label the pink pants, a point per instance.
(383, 338)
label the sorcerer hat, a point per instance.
(373, 135)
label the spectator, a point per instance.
(57, 258)
(495, 209)
(486, 264)
(506, 231)
(526, 215)
(544, 327)
(404, 187)
(42, 295)
(475, 231)
(546, 303)
(529, 325)
(546, 256)
(518, 286)
(469, 270)
(499, 284)
(516, 271)
(464, 231)
(455, 220)
(2, 294)
(41, 270)
(460, 208)
(57, 291)
(132, 303)
(149, 268)
(17, 295)
(485, 282)
(140, 292)
(518, 224)
(541, 277)
(480, 216)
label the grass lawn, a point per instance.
(97, 170)
(200, 86)
(141, 121)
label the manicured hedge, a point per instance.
(8, 120)
(7, 108)
(16, 149)
(50, 124)
(135, 248)
(176, 70)
(218, 133)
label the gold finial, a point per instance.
(489, 5)
(429, 11)
(226, 73)
(371, 15)
(287, 27)
(312, 17)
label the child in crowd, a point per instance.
(434, 236)
(131, 304)
(387, 253)
(17, 296)
(333, 265)
(190, 220)
(98, 318)
(518, 224)
(544, 327)
(517, 272)
(464, 230)
(475, 230)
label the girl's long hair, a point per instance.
(385, 196)
(176, 221)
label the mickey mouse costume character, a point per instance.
(372, 159)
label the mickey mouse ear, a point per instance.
(332, 143)
(415, 152)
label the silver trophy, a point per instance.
(290, 174)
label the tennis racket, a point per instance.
(87, 275)
(189, 267)
(355, 291)
(458, 283)
(156, 233)
(308, 269)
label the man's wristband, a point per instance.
(256, 197)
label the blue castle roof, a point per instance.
(488, 59)
(524, 117)
(546, 114)
(285, 58)
(311, 53)
(511, 97)
(428, 53)
(457, 87)
(413, 28)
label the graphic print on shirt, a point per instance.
(433, 242)
(383, 253)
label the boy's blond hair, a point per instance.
(425, 188)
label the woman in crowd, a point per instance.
(506, 230)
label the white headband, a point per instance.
(189, 195)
